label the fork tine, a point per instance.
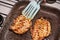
(29, 12)
(34, 13)
(26, 12)
(23, 12)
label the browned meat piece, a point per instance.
(21, 24)
(42, 28)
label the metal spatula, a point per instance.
(31, 10)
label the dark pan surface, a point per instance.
(48, 13)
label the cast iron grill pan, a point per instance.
(7, 34)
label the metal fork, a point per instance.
(31, 10)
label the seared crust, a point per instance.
(42, 28)
(21, 24)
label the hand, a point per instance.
(44, 1)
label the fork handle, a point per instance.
(39, 2)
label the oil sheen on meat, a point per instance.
(21, 24)
(41, 29)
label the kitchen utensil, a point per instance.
(49, 13)
(31, 10)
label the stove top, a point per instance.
(7, 5)
(5, 8)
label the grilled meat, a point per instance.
(21, 25)
(42, 28)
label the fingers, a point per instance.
(44, 1)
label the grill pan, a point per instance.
(51, 14)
